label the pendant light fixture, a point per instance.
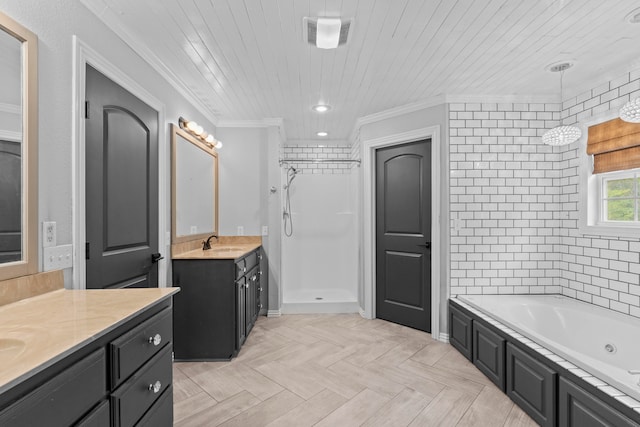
(630, 112)
(564, 134)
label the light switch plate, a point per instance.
(58, 257)
(48, 234)
(265, 230)
(240, 230)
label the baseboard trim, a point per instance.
(320, 307)
(274, 313)
(443, 337)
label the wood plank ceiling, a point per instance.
(247, 60)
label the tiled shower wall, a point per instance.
(504, 204)
(597, 269)
(514, 204)
(324, 152)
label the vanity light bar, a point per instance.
(197, 131)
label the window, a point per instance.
(620, 197)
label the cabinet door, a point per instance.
(579, 408)
(460, 331)
(531, 385)
(241, 312)
(488, 353)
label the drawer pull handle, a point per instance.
(254, 277)
(260, 289)
(155, 387)
(155, 340)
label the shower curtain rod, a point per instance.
(282, 161)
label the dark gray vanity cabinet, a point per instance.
(488, 353)
(119, 379)
(217, 307)
(579, 408)
(460, 331)
(532, 385)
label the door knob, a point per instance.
(156, 257)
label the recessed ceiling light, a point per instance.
(321, 108)
(633, 17)
(322, 133)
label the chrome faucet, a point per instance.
(206, 244)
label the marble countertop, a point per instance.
(220, 251)
(39, 331)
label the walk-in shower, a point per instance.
(286, 213)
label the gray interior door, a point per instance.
(121, 186)
(403, 234)
(10, 201)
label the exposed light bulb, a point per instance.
(198, 131)
(321, 108)
(192, 126)
(218, 145)
(210, 139)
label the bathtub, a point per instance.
(604, 343)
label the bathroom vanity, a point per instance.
(88, 358)
(222, 294)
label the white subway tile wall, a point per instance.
(324, 152)
(504, 201)
(514, 204)
(601, 270)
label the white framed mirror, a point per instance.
(18, 150)
(194, 188)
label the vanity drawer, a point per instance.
(251, 260)
(161, 413)
(65, 398)
(130, 402)
(100, 416)
(133, 349)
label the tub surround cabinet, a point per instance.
(218, 305)
(549, 393)
(118, 376)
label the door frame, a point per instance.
(83, 55)
(369, 148)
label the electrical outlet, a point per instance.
(58, 257)
(265, 230)
(48, 234)
(194, 229)
(240, 230)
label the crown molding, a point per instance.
(108, 17)
(503, 99)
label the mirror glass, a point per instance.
(18, 150)
(194, 170)
(10, 148)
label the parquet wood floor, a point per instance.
(340, 370)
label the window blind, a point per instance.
(615, 145)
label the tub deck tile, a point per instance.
(595, 381)
(555, 358)
(567, 365)
(611, 391)
(629, 401)
(579, 373)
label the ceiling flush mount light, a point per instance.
(321, 108)
(198, 132)
(322, 133)
(326, 33)
(561, 135)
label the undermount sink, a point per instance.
(10, 348)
